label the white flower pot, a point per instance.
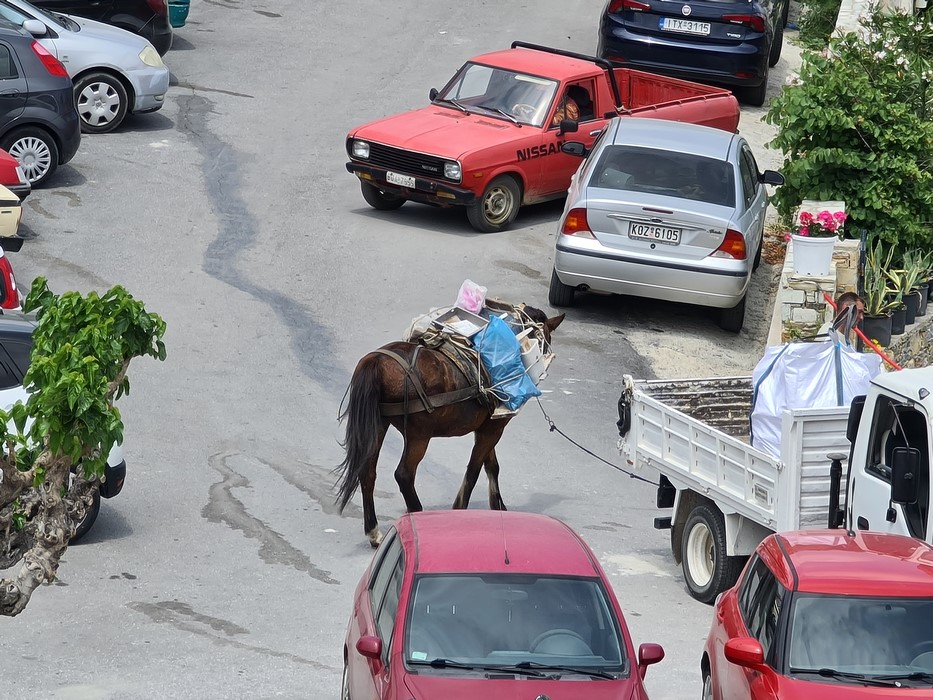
(812, 256)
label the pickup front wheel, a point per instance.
(498, 206)
(708, 571)
(380, 199)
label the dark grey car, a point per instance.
(39, 123)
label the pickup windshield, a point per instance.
(499, 92)
(848, 638)
(559, 627)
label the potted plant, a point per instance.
(904, 281)
(876, 321)
(923, 262)
(814, 237)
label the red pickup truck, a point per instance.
(491, 139)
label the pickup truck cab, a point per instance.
(491, 138)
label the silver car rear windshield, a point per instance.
(506, 619)
(666, 173)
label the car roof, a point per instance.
(851, 563)
(670, 136)
(540, 63)
(486, 541)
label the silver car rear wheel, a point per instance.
(102, 102)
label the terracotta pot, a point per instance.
(877, 328)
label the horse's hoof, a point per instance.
(375, 537)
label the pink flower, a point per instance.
(804, 231)
(824, 217)
(840, 217)
(806, 218)
(787, 235)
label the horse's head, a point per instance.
(547, 325)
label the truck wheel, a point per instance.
(89, 518)
(733, 319)
(559, 294)
(708, 571)
(776, 45)
(498, 206)
(380, 199)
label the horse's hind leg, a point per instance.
(492, 473)
(367, 487)
(486, 438)
(412, 454)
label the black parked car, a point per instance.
(729, 42)
(148, 18)
(39, 123)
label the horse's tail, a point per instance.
(364, 425)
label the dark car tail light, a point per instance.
(755, 22)
(732, 246)
(52, 64)
(575, 224)
(9, 295)
(158, 6)
(619, 5)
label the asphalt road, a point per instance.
(223, 569)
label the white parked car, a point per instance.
(115, 72)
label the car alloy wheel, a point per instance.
(102, 102)
(36, 152)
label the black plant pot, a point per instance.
(930, 289)
(877, 328)
(924, 298)
(898, 320)
(911, 304)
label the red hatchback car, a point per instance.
(825, 615)
(467, 604)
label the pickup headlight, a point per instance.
(360, 149)
(452, 171)
(151, 57)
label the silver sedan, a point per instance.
(663, 210)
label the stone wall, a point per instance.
(915, 347)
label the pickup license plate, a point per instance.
(685, 26)
(658, 234)
(401, 180)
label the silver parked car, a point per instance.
(115, 72)
(663, 210)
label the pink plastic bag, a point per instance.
(471, 297)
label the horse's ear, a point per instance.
(553, 322)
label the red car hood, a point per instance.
(792, 689)
(441, 131)
(573, 688)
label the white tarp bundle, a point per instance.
(805, 375)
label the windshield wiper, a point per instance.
(860, 677)
(510, 117)
(450, 663)
(569, 669)
(456, 104)
(909, 676)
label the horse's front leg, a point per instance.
(486, 438)
(492, 474)
(412, 454)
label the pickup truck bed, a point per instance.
(649, 95)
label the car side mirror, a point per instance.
(746, 652)
(567, 126)
(574, 148)
(772, 177)
(369, 646)
(855, 417)
(649, 654)
(35, 27)
(432, 94)
(905, 473)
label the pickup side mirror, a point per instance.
(574, 148)
(771, 177)
(567, 126)
(369, 646)
(649, 654)
(432, 94)
(35, 27)
(905, 473)
(745, 652)
(855, 417)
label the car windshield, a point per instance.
(870, 637)
(17, 16)
(507, 620)
(667, 173)
(518, 97)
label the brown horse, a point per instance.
(380, 379)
